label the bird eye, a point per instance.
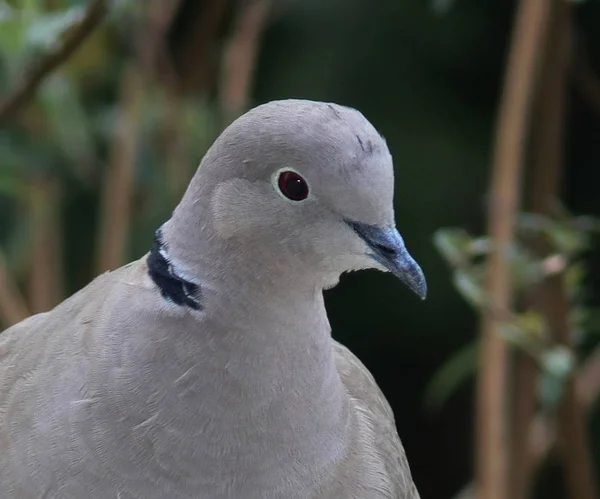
(292, 185)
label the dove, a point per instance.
(206, 369)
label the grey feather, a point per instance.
(206, 369)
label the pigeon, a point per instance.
(206, 369)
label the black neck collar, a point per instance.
(172, 286)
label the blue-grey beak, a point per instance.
(388, 249)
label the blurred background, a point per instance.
(492, 112)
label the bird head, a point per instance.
(308, 186)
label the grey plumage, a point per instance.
(206, 369)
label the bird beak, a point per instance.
(388, 249)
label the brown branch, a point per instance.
(240, 57)
(542, 193)
(574, 440)
(523, 411)
(153, 51)
(174, 145)
(13, 308)
(118, 184)
(533, 437)
(116, 196)
(551, 296)
(588, 380)
(541, 437)
(46, 271)
(527, 41)
(194, 61)
(73, 39)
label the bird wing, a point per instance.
(375, 433)
(43, 372)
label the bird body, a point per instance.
(206, 369)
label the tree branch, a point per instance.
(541, 438)
(46, 272)
(118, 183)
(93, 16)
(511, 131)
(542, 192)
(13, 308)
(551, 296)
(116, 191)
(195, 62)
(240, 56)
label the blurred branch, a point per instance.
(115, 208)
(551, 295)
(588, 380)
(153, 49)
(240, 56)
(13, 308)
(176, 142)
(175, 146)
(587, 388)
(541, 438)
(523, 412)
(118, 184)
(199, 23)
(526, 45)
(542, 193)
(46, 272)
(573, 440)
(93, 16)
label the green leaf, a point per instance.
(550, 390)
(44, 31)
(527, 331)
(12, 33)
(480, 246)
(470, 287)
(558, 361)
(31, 8)
(453, 373)
(567, 240)
(453, 244)
(534, 222)
(525, 268)
(557, 365)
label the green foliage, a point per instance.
(30, 31)
(557, 365)
(69, 131)
(567, 238)
(44, 31)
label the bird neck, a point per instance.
(260, 307)
(262, 351)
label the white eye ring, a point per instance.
(290, 185)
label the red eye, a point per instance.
(293, 186)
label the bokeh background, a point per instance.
(94, 156)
